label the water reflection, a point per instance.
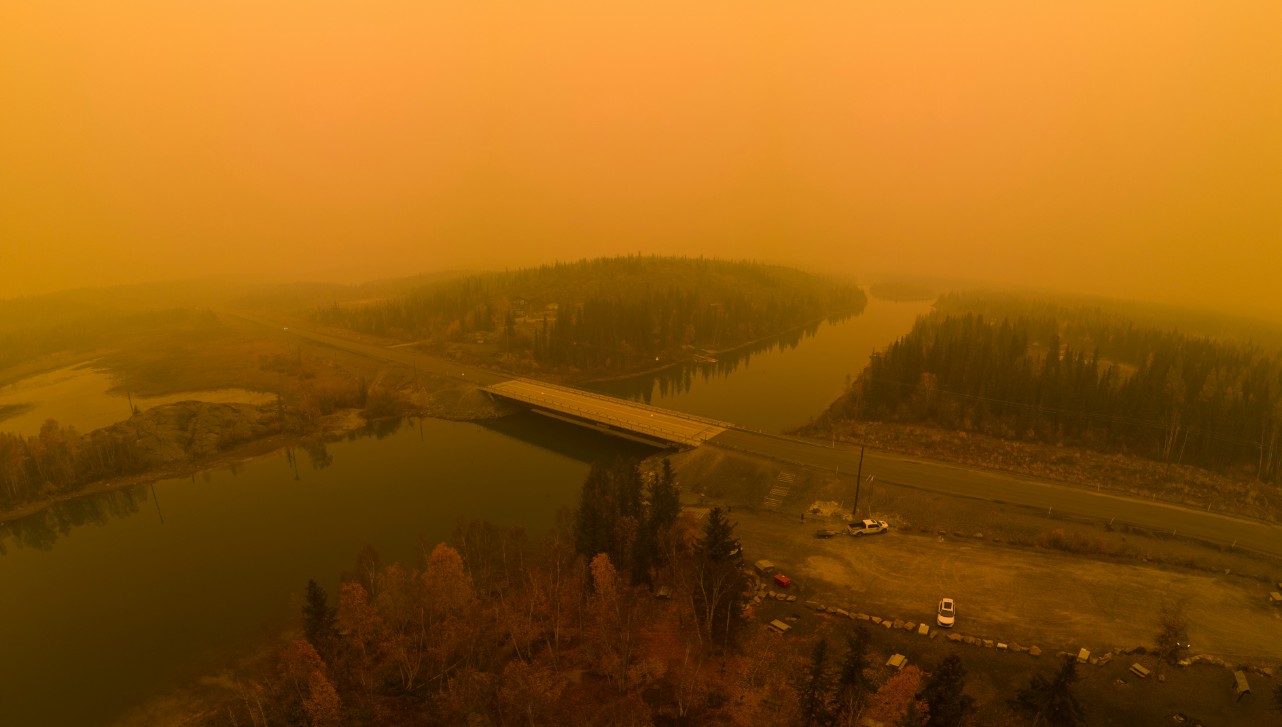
(41, 530)
(566, 439)
(681, 378)
(318, 454)
(378, 429)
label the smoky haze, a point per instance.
(1131, 149)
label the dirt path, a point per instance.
(1010, 594)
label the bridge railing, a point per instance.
(635, 404)
(710, 429)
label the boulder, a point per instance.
(923, 629)
(1034, 651)
(875, 619)
(988, 643)
(954, 637)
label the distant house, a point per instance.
(520, 306)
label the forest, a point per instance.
(607, 315)
(630, 612)
(1080, 376)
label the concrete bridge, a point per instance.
(610, 413)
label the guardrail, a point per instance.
(710, 428)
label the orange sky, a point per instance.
(1123, 148)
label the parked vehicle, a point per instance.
(783, 580)
(868, 527)
(947, 613)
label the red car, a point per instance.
(783, 580)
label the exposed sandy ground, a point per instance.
(1059, 601)
(1053, 600)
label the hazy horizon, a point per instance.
(1128, 150)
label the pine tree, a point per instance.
(943, 693)
(319, 618)
(852, 681)
(594, 518)
(1051, 701)
(815, 688)
(719, 584)
(717, 544)
(665, 498)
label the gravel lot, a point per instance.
(1054, 600)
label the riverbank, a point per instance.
(179, 440)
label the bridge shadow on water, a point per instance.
(568, 440)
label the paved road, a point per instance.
(648, 420)
(1002, 487)
(393, 354)
(894, 469)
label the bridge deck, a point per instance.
(651, 421)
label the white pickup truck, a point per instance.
(867, 527)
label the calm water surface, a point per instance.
(108, 600)
(781, 384)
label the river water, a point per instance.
(108, 600)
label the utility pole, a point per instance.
(859, 478)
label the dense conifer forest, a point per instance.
(1083, 376)
(606, 315)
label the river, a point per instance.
(108, 600)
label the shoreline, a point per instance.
(336, 425)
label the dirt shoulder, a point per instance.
(1017, 576)
(1230, 493)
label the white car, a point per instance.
(947, 614)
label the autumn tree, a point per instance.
(1051, 701)
(306, 695)
(943, 693)
(615, 620)
(896, 702)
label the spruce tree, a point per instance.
(717, 544)
(943, 693)
(719, 584)
(319, 618)
(1052, 701)
(815, 688)
(665, 498)
(852, 681)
